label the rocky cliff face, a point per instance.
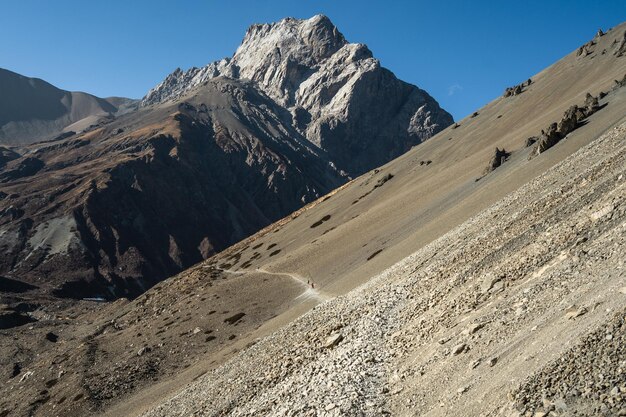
(336, 93)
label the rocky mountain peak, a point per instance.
(338, 95)
(307, 42)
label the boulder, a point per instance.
(548, 139)
(569, 121)
(498, 158)
(591, 105)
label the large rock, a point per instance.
(548, 138)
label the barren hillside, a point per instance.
(481, 273)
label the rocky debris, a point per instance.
(574, 312)
(569, 121)
(333, 340)
(339, 96)
(517, 89)
(531, 141)
(548, 139)
(17, 369)
(383, 180)
(143, 351)
(500, 156)
(460, 348)
(586, 380)
(599, 33)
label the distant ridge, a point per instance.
(32, 110)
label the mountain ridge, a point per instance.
(32, 109)
(308, 67)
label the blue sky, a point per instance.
(464, 53)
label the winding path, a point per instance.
(308, 293)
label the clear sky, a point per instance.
(464, 53)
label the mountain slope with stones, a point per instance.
(485, 310)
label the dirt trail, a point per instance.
(310, 293)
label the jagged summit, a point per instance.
(305, 42)
(308, 67)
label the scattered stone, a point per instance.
(333, 340)
(573, 312)
(493, 361)
(234, 319)
(17, 369)
(51, 337)
(458, 349)
(476, 327)
(569, 122)
(143, 350)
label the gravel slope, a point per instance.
(470, 324)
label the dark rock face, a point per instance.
(178, 183)
(22, 168)
(7, 155)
